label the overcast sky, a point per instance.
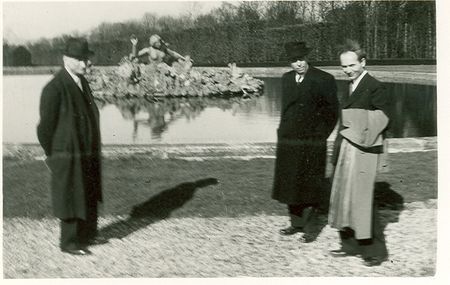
(27, 21)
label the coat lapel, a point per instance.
(290, 95)
(72, 90)
(297, 92)
(359, 91)
(89, 97)
(306, 83)
(69, 83)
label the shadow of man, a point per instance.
(388, 206)
(320, 218)
(385, 199)
(157, 208)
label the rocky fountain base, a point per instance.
(131, 79)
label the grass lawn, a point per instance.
(214, 188)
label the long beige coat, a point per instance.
(354, 178)
(351, 199)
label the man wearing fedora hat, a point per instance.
(69, 133)
(309, 112)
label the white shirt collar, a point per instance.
(357, 80)
(299, 78)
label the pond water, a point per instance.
(201, 120)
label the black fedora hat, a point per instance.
(78, 48)
(296, 50)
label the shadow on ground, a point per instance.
(384, 198)
(157, 208)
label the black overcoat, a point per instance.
(69, 133)
(309, 113)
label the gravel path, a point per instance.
(219, 247)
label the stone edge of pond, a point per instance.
(411, 74)
(242, 151)
(388, 74)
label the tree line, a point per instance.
(254, 32)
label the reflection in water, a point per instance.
(157, 114)
(413, 109)
(201, 120)
(413, 112)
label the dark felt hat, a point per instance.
(78, 48)
(296, 50)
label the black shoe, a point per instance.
(291, 230)
(77, 251)
(97, 241)
(374, 260)
(342, 253)
(308, 238)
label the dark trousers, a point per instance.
(373, 247)
(77, 232)
(300, 214)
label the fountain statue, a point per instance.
(156, 94)
(169, 74)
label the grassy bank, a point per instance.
(190, 187)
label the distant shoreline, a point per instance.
(410, 74)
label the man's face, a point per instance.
(300, 66)
(77, 66)
(351, 65)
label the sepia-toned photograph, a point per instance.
(220, 139)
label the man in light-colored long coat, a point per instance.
(364, 119)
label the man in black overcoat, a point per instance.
(309, 113)
(69, 133)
